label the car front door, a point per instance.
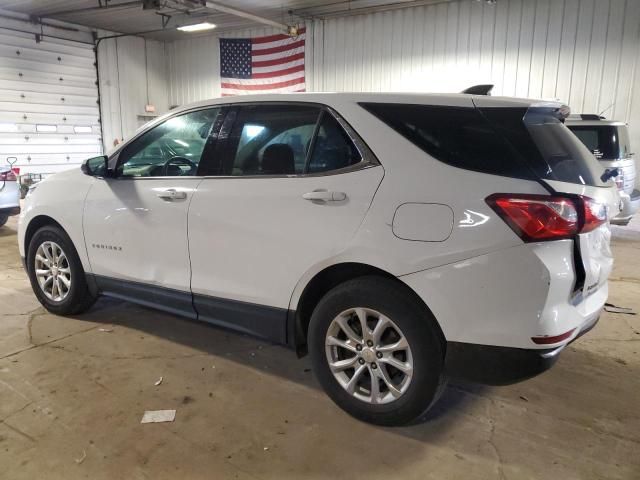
(288, 191)
(135, 221)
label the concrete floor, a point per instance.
(72, 396)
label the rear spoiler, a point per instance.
(484, 89)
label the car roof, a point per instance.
(335, 99)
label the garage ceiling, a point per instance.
(128, 16)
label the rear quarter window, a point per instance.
(457, 136)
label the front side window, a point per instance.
(173, 148)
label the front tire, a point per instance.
(3, 219)
(56, 274)
(377, 351)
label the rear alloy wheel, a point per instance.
(369, 355)
(377, 351)
(56, 273)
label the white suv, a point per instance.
(400, 239)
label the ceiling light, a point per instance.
(198, 27)
(46, 128)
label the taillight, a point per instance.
(8, 176)
(595, 214)
(536, 218)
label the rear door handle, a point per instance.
(325, 196)
(172, 194)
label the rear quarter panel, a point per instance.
(413, 177)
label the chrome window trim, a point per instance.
(368, 158)
(115, 156)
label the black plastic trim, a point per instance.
(259, 320)
(494, 365)
(10, 211)
(269, 323)
(161, 298)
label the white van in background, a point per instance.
(608, 140)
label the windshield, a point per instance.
(606, 142)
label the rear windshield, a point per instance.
(562, 156)
(515, 142)
(606, 142)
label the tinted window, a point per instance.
(173, 148)
(457, 136)
(270, 140)
(332, 148)
(606, 142)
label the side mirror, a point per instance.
(96, 166)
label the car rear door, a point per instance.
(293, 186)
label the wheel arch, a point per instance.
(320, 284)
(35, 224)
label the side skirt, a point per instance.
(269, 323)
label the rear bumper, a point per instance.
(520, 297)
(10, 211)
(493, 365)
(630, 205)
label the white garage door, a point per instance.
(49, 115)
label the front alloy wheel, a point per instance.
(53, 271)
(369, 355)
(56, 273)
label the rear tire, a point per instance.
(408, 380)
(3, 219)
(52, 258)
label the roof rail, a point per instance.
(591, 116)
(587, 116)
(484, 89)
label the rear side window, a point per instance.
(332, 148)
(605, 142)
(458, 136)
(284, 140)
(271, 140)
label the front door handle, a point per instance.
(325, 196)
(172, 194)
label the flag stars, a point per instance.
(235, 55)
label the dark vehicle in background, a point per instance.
(9, 194)
(608, 140)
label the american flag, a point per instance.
(272, 64)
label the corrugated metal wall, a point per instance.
(194, 65)
(584, 52)
(133, 74)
